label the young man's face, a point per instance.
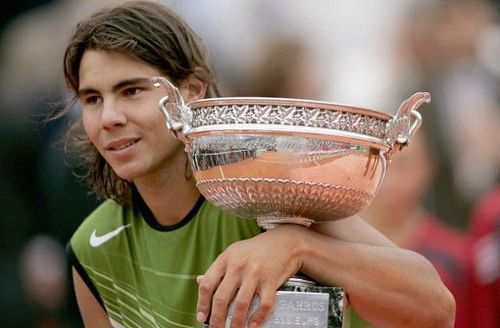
(121, 115)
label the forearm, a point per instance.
(388, 286)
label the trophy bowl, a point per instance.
(282, 160)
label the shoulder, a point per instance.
(99, 235)
(105, 215)
(108, 216)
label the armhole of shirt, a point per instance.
(73, 262)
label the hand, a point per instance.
(256, 266)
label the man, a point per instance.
(137, 257)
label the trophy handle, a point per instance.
(406, 122)
(178, 116)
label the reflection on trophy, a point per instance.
(293, 161)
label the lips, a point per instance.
(120, 144)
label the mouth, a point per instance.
(120, 145)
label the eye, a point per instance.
(91, 100)
(130, 92)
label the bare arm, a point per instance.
(92, 313)
(388, 286)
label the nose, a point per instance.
(112, 115)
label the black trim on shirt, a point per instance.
(153, 222)
(73, 260)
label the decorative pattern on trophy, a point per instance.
(280, 160)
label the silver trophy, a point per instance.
(281, 160)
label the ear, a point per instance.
(192, 88)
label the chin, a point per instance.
(127, 173)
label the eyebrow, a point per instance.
(84, 91)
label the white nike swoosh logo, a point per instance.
(96, 241)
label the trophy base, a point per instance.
(300, 302)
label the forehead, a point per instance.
(99, 67)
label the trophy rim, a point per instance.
(295, 102)
(299, 117)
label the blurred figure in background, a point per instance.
(39, 191)
(443, 51)
(452, 49)
(17, 149)
(350, 41)
(398, 212)
(283, 68)
(485, 255)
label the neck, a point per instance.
(169, 197)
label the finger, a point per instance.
(207, 285)
(220, 302)
(266, 297)
(242, 303)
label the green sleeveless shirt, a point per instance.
(144, 274)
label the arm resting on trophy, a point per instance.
(388, 286)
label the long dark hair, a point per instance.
(153, 34)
